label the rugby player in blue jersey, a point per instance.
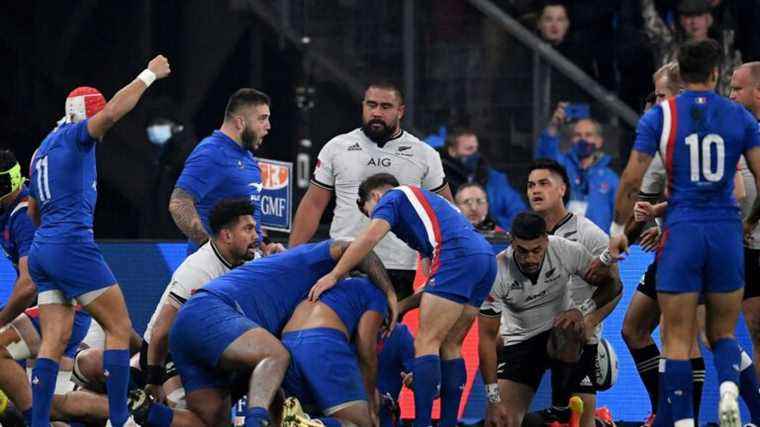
(227, 331)
(64, 261)
(700, 136)
(461, 268)
(323, 370)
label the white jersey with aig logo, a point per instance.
(348, 159)
(527, 307)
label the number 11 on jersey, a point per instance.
(43, 187)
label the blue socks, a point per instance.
(160, 415)
(257, 417)
(664, 414)
(727, 358)
(427, 382)
(453, 380)
(749, 387)
(44, 376)
(678, 389)
(116, 367)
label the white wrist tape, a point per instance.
(616, 229)
(147, 77)
(588, 307)
(492, 391)
(605, 257)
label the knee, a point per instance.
(513, 420)
(89, 364)
(279, 358)
(634, 336)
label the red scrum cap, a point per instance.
(83, 103)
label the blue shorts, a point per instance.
(78, 330)
(323, 369)
(466, 280)
(205, 326)
(701, 257)
(73, 268)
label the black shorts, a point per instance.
(588, 367)
(403, 282)
(751, 273)
(648, 283)
(169, 369)
(525, 362)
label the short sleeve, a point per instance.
(648, 131)
(323, 172)
(577, 256)
(78, 132)
(653, 184)
(595, 240)
(201, 173)
(377, 301)
(185, 281)
(434, 178)
(22, 230)
(387, 208)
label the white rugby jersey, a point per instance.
(346, 160)
(577, 228)
(204, 265)
(749, 200)
(527, 308)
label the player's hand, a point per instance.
(558, 117)
(597, 271)
(272, 248)
(496, 415)
(160, 66)
(570, 320)
(650, 239)
(643, 211)
(618, 247)
(407, 378)
(425, 263)
(156, 391)
(326, 282)
(748, 228)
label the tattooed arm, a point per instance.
(185, 215)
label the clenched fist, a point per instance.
(159, 66)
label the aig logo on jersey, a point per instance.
(379, 162)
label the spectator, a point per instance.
(463, 163)
(472, 200)
(695, 22)
(592, 183)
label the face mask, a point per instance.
(471, 162)
(583, 148)
(159, 134)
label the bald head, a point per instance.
(745, 86)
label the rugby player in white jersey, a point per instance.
(380, 145)
(540, 326)
(546, 191)
(233, 243)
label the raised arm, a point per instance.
(24, 291)
(309, 212)
(126, 98)
(185, 215)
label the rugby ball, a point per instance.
(606, 365)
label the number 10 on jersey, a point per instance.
(706, 170)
